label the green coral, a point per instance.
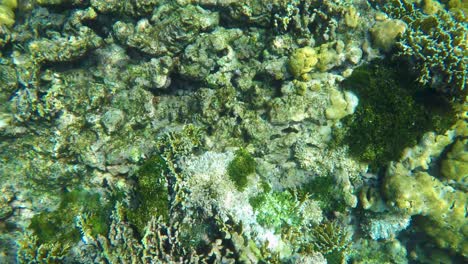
(59, 225)
(276, 210)
(240, 167)
(393, 113)
(7, 14)
(459, 8)
(151, 193)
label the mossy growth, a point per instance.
(59, 225)
(324, 191)
(151, 193)
(240, 167)
(394, 111)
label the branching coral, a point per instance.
(437, 44)
(32, 251)
(332, 240)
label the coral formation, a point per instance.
(378, 252)
(442, 63)
(332, 240)
(169, 31)
(7, 15)
(455, 165)
(385, 33)
(302, 61)
(441, 206)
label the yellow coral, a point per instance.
(455, 166)
(7, 16)
(422, 194)
(12, 4)
(342, 104)
(385, 33)
(352, 17)
(459, 8)
(431, 7)
(302, 61)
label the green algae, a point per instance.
(59, 225)
(393, 113)
(240, 167)
(324, 190)
(151, 193)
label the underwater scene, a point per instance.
(234, 131)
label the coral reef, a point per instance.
(302, 61)
(332, 240)
(168, 32)
(385, 33)
(204, 131)
(455, 166)
(374, 252)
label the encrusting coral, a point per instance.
(418, 193)
(455, 165)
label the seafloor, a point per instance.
(224, 131)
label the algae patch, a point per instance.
(151, 193)
(393, 113)
(59, 225)
(240, 167)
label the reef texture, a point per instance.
(203, 131)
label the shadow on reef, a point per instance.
(394, 111)
(421, 248)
